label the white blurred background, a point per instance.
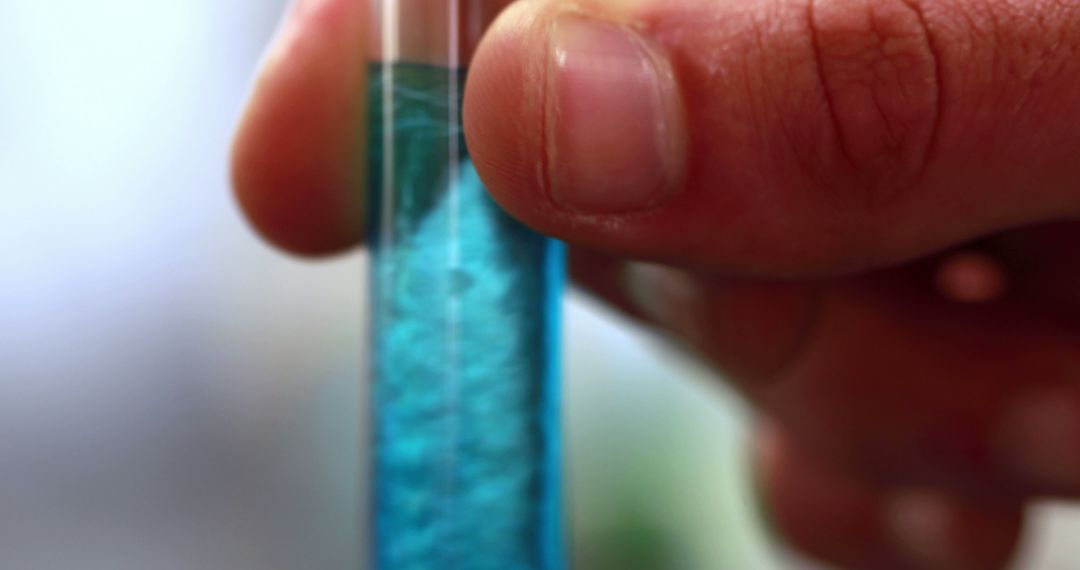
(175, 395)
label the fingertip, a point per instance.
(503, 108)
(296, 163)
(943, 533)
(836, 516)
(814, 507)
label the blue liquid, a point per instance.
(466, 310)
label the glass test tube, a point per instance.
(465, 308)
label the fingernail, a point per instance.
(1040, 440)
(972, 277)
(615, 130)
(920, 527)
(669, 297)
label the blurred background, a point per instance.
(175, 395)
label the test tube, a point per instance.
(465, 308)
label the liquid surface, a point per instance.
(465, 379)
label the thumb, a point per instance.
(779, 137)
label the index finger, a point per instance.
(298, 165)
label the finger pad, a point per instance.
(295, 169)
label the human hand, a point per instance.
(858, 209)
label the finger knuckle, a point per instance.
(878, 72)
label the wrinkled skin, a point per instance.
(865, 223)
